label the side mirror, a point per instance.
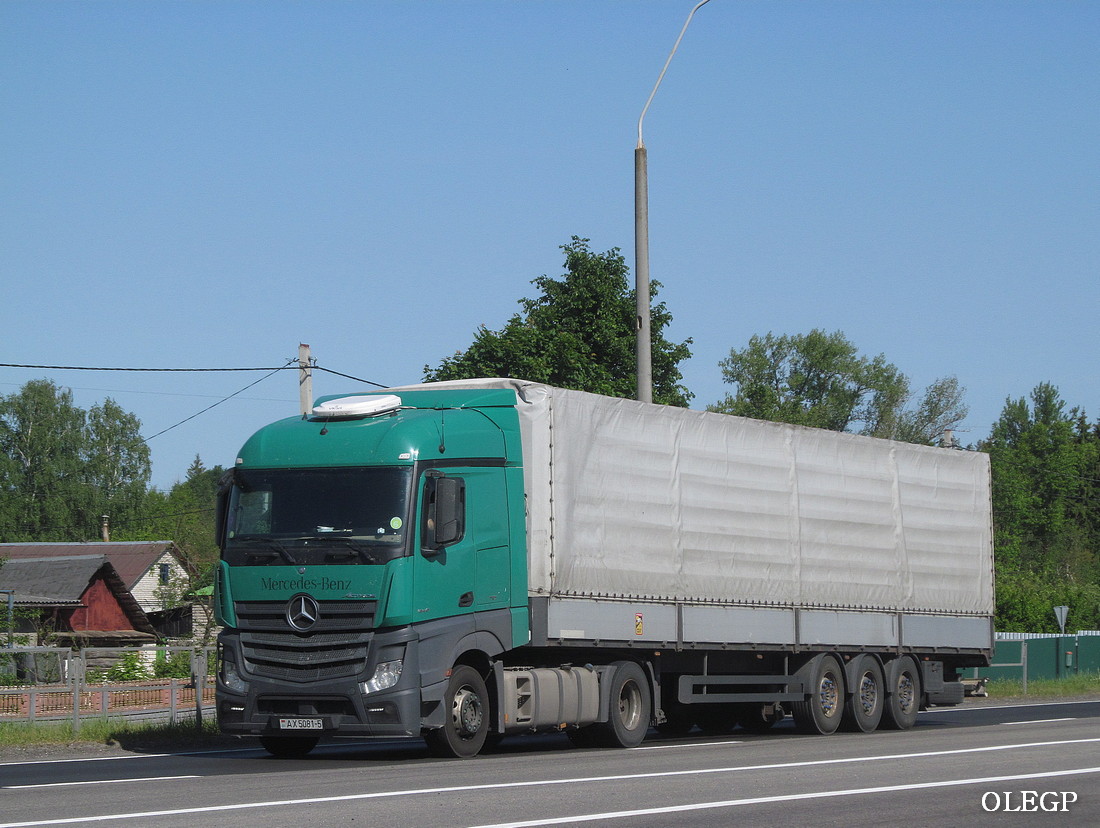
(444, 513)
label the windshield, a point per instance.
(313, 516)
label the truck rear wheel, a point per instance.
(630, 709)
(902, 694)
(466, 707)
(823, 708)
(863, 710)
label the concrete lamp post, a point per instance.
(643, 344)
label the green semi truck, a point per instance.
(470, 560)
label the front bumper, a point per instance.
(259, 705)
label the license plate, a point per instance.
(301, 724)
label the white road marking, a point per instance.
(1042, 721)
(689, 745)
(96, 782)
(765, 800)
(573, 781)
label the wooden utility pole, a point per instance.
(305, 380)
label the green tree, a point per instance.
(940, 409)
(61, 467)
(185, 514)
(578, 333)
(819, 379)
(1038, 460)
(1046, 515)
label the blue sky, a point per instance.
(207, 184)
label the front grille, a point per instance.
(336, 647)
(335, 615)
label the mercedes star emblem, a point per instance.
(302, 612)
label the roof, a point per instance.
(131, 559)
(56, 581)
(60, 581)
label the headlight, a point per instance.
(385, 676)
(231, 678)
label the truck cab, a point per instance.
(368, 550)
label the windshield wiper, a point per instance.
(271, 547)
(354, 549)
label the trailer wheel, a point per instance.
(822, 711)
(289, 747)
(902, 694)
(630, 711)
(863, 710)
(466, 701)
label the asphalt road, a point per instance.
(968, 766)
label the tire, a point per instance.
(467, 710)
(753, 718)
(863, 710)
(822, 710)
(902, 694)
(630, 707)
(289, 747)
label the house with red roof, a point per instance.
(148, 570)
(79, 600)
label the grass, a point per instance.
(1082, 684)
(129, 735)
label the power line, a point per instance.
(291, 365)
(219, 402)
(147, 370)
(150, 393)
(350, 377)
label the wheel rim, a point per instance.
(906, 693)
(868, 693)
(828, 694)
(630, 705)
(467, 713)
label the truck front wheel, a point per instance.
(630, 709)
(466, 703)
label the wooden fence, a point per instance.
(61, 690)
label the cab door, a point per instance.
(462, 555)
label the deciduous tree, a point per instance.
(62, 467)
(819, 379)
(579, 333)
(1046, 516)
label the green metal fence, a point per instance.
(1043, 657)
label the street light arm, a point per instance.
(665, 69)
